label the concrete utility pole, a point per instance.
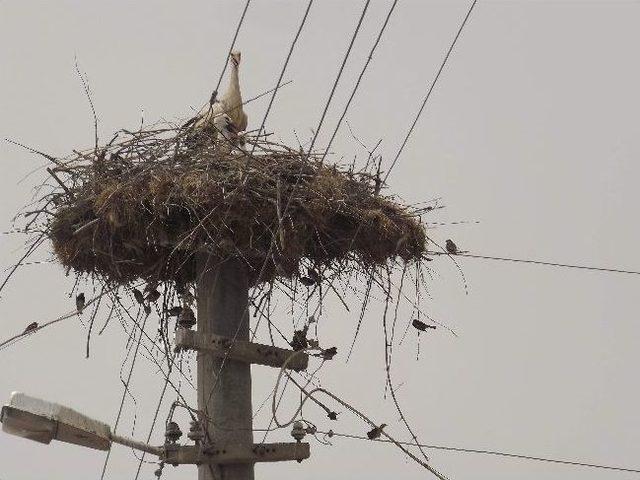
(224, 393)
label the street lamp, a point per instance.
(43, 421)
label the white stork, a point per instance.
(230, 103)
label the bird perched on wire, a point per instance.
(299, 340)
(80, 301)
(421, 326)
(152, 294)
(329, 353)
(137, 294)
(230, 103)
(451, 247)
(32, 326)
(375, 432)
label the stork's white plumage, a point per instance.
(230, 103)
(225, 127)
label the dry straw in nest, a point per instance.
(143, 207)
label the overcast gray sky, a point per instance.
(532, 131)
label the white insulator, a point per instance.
(298, 431)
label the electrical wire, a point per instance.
(538, 262)
(335, 83)
(489, 452)
(433, 84)
(214, 94)
(357, 84)
(124, 394)
(310, 395)
(284, 67)
(233, 42)
(153, 423)
(12, 340)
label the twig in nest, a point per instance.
(61, 183)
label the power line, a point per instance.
(233, 42)
(335, 83)
(10, 341)
(490, 452)
(284, 67)
(153, 423)
(433, 84)
(124, 393)
(540, 262)
(355, 88)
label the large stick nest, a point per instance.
(144, 207)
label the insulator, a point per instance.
(158, 472)
(173, 432)
(196, 432)
(186, 319)
(298, 431)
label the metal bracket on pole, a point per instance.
(237, 454)
(240, 350)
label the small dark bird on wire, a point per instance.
(153, 295)
(329, 353)
(314, 275)
(452, 248)
(307, 282)
(417, 324)
(80, 301)
(299, 340)
(30, 327)
(375, 432)
(137, 294)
